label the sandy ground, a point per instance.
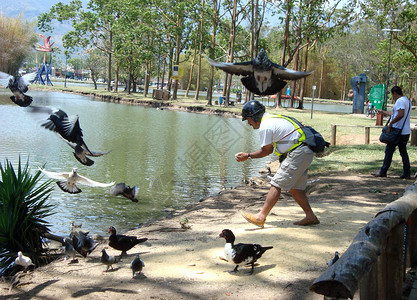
(185, 263)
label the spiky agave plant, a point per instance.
(23, 209)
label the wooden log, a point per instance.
(342, 278)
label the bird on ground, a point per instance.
(246, 254)
(69, 249)
(262, 76)
(125, 190)
(108, 260)
(86, 243)
(68, 181)
(23, 261)
(334, 259)
(68, 127)
(123, 242)
(136, 265)
(19, 86)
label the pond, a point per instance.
(176, 158)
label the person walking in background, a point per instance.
(400, 118)
(282, 134)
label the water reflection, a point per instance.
(176, 158)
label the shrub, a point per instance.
(23, 207)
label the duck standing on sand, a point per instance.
(241, 253)
(123, 242)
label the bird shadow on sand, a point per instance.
(87, 291)
(244, 270)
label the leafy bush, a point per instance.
(23, 207)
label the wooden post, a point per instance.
(368, 287)
(367, 133)
(413, 139)
(333, 135)
(394, 263)
(412, 239)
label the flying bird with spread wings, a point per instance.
(261, 76)
(68, 181)
(18, 85)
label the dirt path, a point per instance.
(185, 264)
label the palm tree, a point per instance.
(23, 207)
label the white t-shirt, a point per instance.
(278, 130)
(402, 103)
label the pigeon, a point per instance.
(69, 249)
(19, 86)
(136, 265)
(81, 153)
(123, 242)
(23, 261)
(125, 190)
(241, 253)
(108, 260)
(75, 244)
(262, 76)
(68, 127)
(68, 181)
(86, 243)
(334, 259)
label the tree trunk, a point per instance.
(109, 61)
(213, 45)
(190, 78)
(285, 45)
(197, 86)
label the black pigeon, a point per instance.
(125, 190)
(19, 86)
(75, 242)
(69, 129)
(136, 265)
(262, 76)
(334, 259)
(108, 260)
(241, 253)
(123, 242)
(86, 243)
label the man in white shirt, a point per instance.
(400, 118)
(283, 135)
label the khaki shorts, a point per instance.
(292, 173)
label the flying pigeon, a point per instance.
(125, 190)
(19, 86)
(241, 253)
(23, 261)
(123, 242)
(68, 127)
(108, 260)
(334, 259)
(80, 153)
(136, 265)
(68, 180)
(262, 76)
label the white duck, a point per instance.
(68, 180)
